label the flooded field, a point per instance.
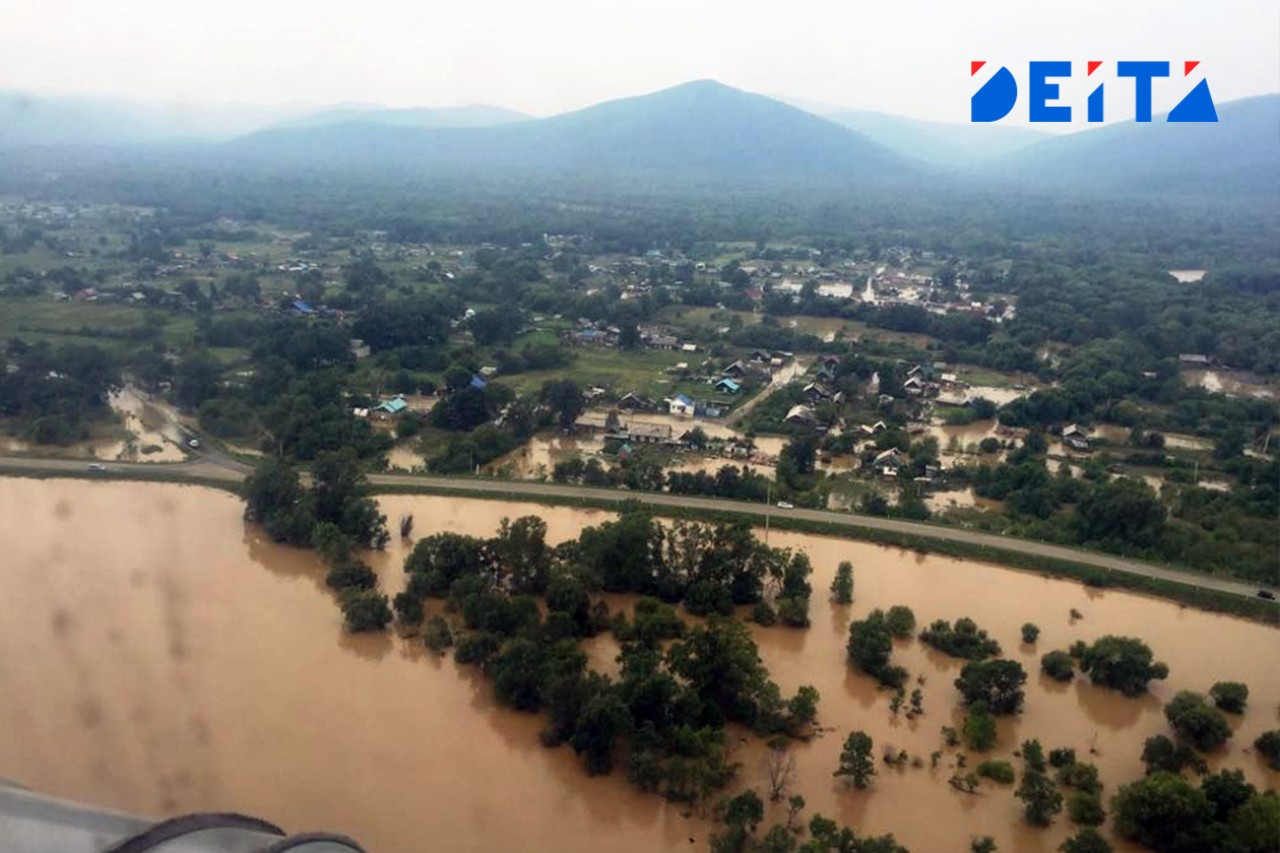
(1233, 383)
(148, 434)
(193, 665)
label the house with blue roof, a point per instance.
(681, 405)
(728, 385)
(301, 307)
(478, 383)
(393, 407)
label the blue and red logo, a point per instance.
(997, 97)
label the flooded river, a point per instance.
(165, 658)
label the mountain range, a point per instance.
(701, 132)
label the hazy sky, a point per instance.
(546, 57)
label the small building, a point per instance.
(644, 433)
(802, 415)
(359, 348)
(394, 407)
(488, 372)
(680, 405)
(728, 385)
(634, 402)
(888, 462)
(301, 308)
(1076, 442)
(737, 370)
(477, 382)
(689, 348)
(1194, 359)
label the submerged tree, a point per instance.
(855, 760)
(842, 584)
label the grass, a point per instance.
(41, 318)
(642, 371)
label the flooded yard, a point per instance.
(166, 658)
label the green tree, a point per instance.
(1162, 811)
(365, 610)
(1268, 746)
(1121, 514)
(1040, 798)
(900, 621)
(979, 728)
(1058, 665)
(1122, 663)
(1030, 633)
(1196, 721)
(1230, 696)
(1161, 754)
(856, 762)
(842, 584)
(997, 683)
(1086, 809)
(564, 396)
(1087, 840)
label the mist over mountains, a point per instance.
(703, 133)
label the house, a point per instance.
(914, 386)
(643, 433)
(488, 372)
(737, 370)
(301, 308)
(831, 362)
(477, 382)
(1074, 437)
(392, 408)
(689, 348)
(816, 393)
(1076, 442)
(680, 405)
(634, 402)
(802, 415)
(729, 386)
(760, 357)
(888, 462)
(359, 348)
(1194, 359)
(873, 384)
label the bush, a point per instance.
(1062, 757)
(351, 575)
(901, 621)
(996, 771)
(1122, 663)
(763, 614)
(1196, 721)
(1030, 633)
(365, 610)
(1230, 696)
(1268, 746)
(965, 640)
(437, 635)
(1058, 665)
(1086, 809)
(979, 728)
(408, 607)
(1086, 840)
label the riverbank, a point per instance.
(1092, 568)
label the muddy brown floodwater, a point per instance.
(156, 655)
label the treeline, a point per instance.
(663, 718)
(55, 393)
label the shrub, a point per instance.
(1030, 633)
(1058, 665)
(996, 771)
(1230, 696)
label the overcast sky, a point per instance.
(544, 57)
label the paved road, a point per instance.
(213, 465)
